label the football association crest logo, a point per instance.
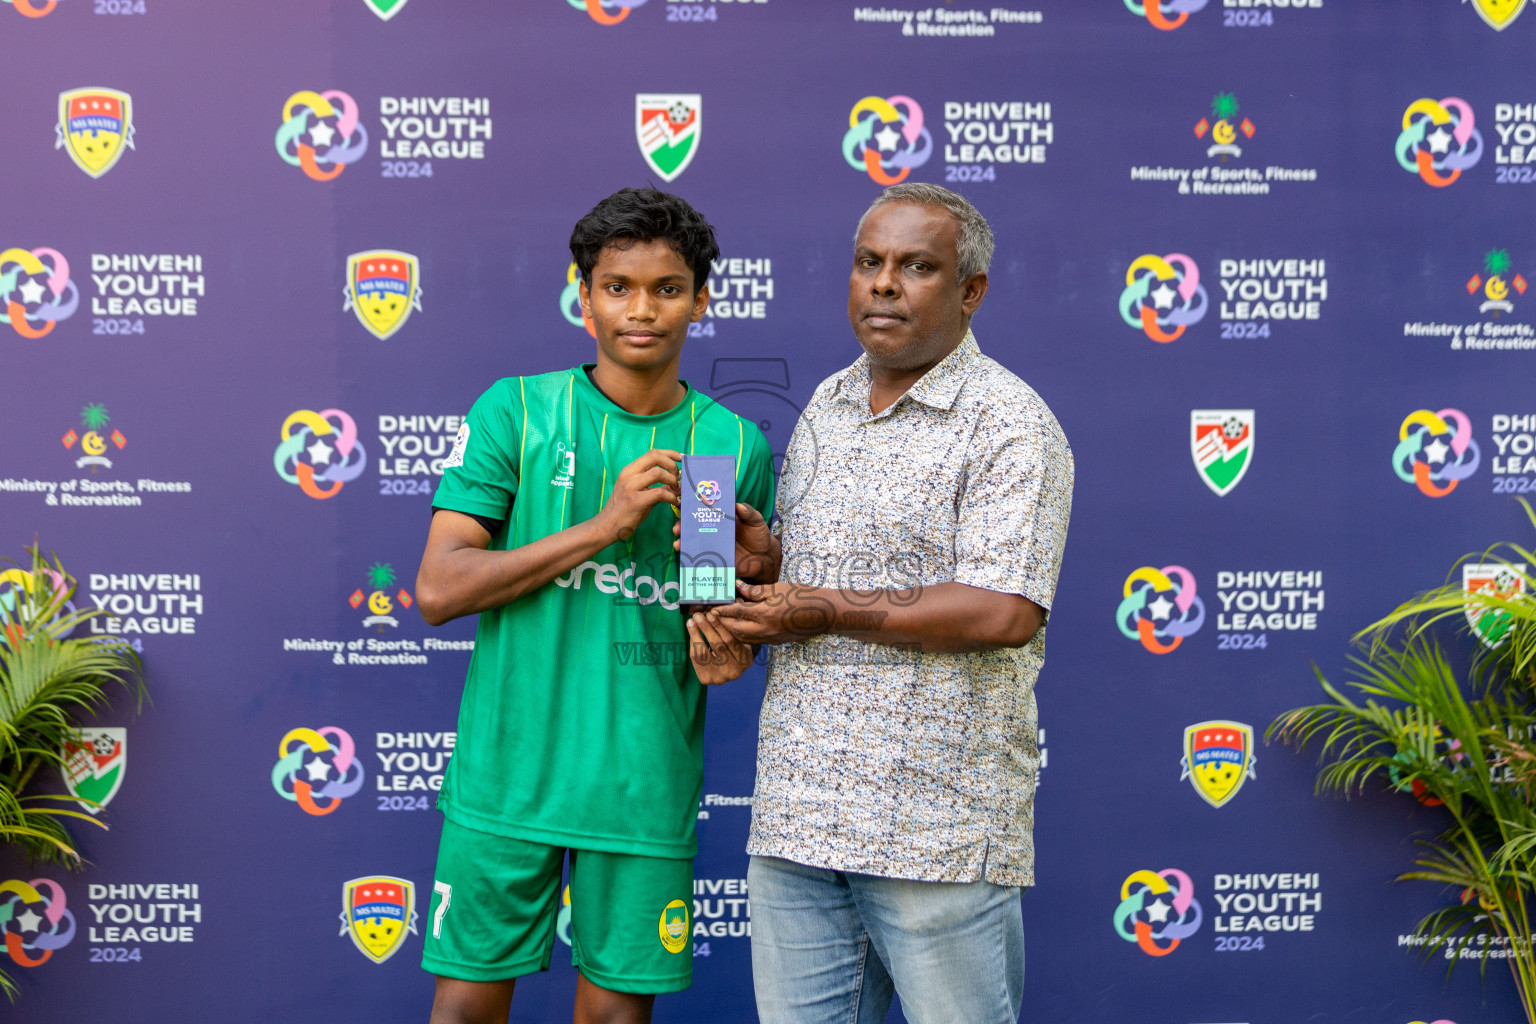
(93, 445)
(600, 9)
(1151, 597)
(378, 911)
(886, 138)
(667, 128)
(93, 765)
(673, 926)
(1163, 295)
(1498, 13)
(1155, 914)
(321, 133)
(383, 286)
(95, 126)
(385, 9)
(317, 769)
(319, 448)
(35, 920)
(381, 576)
(1496, 264)
(1224, 130)
(1435, 451)
(1218, 759)
(35, 290)
(1439, 140)
(1221, 443)
(1503, 581)
(1166, 16)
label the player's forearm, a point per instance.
(949, 618)
(466, 580)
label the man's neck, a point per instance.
(888, 384)
(644, 393)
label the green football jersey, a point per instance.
(583, 721)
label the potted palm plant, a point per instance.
(1453, 723)
(49, 679)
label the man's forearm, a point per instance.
(944, 618)
(464, 580)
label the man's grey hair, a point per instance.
(975, 248)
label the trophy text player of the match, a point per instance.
(554, 521)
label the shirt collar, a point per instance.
(938, 388)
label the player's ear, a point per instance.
(584, 293)
(700, 305)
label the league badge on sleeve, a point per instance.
(93, 765)
(95, 126)
(383, 286)
(1218, 759)
(667, 127)
(1221, 443)
(378, 911)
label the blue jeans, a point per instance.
(830, 947)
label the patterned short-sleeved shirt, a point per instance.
(883, 759)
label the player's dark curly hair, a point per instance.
(633, 215)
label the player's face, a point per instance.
(904, 303)
(641, 301)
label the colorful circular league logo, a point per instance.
(1160, 608)
(321, 133)
(570, 302)
(1435, 451)
(1157, 910)
(673, 927)
(886, 137)
(319, 448)
(1166, 16)
(317, 769)
(602, 11)
(1439, 140)
(35, 920)
(35, 290)
(1163, 295)
(27, 9)
(707, 491)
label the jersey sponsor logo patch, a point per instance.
(673, 926)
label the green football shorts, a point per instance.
(497, 904)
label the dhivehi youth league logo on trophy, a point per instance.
(667, 128)
(1500, 580)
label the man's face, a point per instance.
(904, 303)
(641, 301)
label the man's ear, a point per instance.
(700, 305)
(972, 292)
(584, 293)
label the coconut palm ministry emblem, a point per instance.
(1503, 581)
(1498, 13)
(377, 912)
(1221, 442)
(95, 126)
(381, 576)
(1496, 286)
(383, 286)
(1224, 131)
(1218, 759)
(93, 420)
(667, 127)
(93, 765)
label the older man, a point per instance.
(923, 509)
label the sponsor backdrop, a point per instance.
(1268, 260)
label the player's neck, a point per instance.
(642, 392)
